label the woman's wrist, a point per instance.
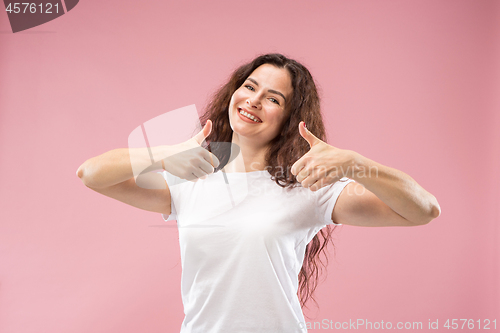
(359, 167)
(160, 153)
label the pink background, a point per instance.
(410, 84)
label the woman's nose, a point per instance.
(253, 102)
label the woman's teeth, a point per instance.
(249, 116)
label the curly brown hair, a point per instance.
(284, 150)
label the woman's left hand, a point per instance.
(323, 164)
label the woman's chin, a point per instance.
(241, 128)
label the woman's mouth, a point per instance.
(248, 117)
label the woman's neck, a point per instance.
(249, 157)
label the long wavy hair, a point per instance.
(284, 150)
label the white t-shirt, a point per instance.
(242, 240)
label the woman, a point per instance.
(250, 234)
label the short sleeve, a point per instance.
(328, 198)
(171, 181)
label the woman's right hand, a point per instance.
(189, 160)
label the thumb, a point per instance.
(205, 131)
(308, 136)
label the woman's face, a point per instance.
(263, 97)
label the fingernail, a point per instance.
(305, 125)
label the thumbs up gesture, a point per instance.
(189, 160)
(322, 165)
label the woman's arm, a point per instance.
(112, 174)
(187, 160)
(383, 197)
(123, 174)
(116, 166)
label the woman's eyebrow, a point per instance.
(270, 90)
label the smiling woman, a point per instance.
(261, 102)
(250, 259)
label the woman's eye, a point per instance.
(274, 100)
(249, 87)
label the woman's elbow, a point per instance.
(436, 211)
(433, 212)
(79, 172)
(83, 174)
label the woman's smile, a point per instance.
(248, 116)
